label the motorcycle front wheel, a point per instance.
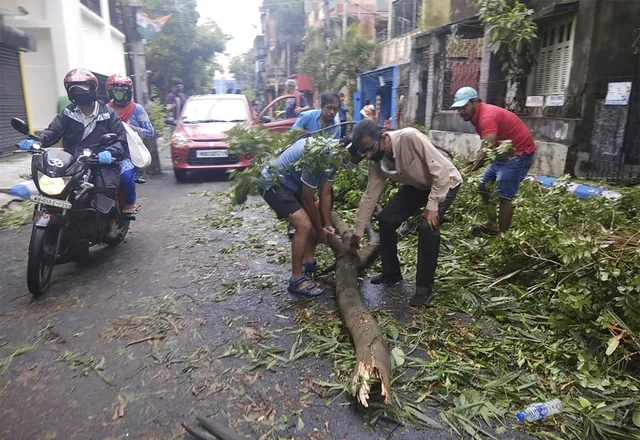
(42, 249)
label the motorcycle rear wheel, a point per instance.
(123, 229)
(42, 249)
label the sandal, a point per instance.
(135, 210)
(484, 229)
(310, 290)
(310, 266)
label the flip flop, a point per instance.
(135, 210)
(310, 290)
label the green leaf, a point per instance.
(636, 417)
(502, 381)
(422, 417)
(614, 341)
(584, 403)
(393, 332)
(397, 355)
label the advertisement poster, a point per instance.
(618, 93)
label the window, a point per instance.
(405, 16)
(94, 5)
(556, 56)
(215, 110)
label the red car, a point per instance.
(198, 140)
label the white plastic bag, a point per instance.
(138, 151)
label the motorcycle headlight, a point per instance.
(52, 185)
(179, 140)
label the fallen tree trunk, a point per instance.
(372, 351)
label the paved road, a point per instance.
(130, 346)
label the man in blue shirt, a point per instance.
(289, 190)
(314, 120)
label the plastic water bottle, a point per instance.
(539, 411)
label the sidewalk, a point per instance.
(10, 169)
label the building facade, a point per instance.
(586, 52)
(388, 86)
(68, 34)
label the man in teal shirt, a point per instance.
(314, 120)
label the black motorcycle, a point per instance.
(69, 216)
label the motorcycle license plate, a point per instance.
(51, 202)
(212, 153)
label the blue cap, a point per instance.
(464, 95)
(521, 416)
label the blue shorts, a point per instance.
(508, 174)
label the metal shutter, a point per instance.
(11, 98)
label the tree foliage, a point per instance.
(243, 68)
(339, 65)
(183, 48)
(511, 34)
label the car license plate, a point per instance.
(51, 202)
(212, 153)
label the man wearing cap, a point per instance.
(494, 125)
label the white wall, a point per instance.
(550, 158)
(40, 79)
(68, 35)
(35, 8)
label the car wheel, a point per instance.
(181, 175)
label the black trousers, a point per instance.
(407, 202)
(107, 181)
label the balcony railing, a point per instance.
(94, 5)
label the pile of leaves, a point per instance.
(553, 310)
(265, 146)
(549, 309)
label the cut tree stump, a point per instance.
(372, 350)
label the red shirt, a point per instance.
(490, 119)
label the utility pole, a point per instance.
(135, 52)
(345, 3)
(135, 49)
(327, 33)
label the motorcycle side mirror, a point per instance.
(108, 139)
(170, 121)
(20, 126)
(265, 119)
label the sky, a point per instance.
(238, 18)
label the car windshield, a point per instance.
(199, 111)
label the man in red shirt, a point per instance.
(494, 125)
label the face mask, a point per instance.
(179, 89)
(83, 98)
(119, 95)
(377, 157)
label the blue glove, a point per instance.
(104, 157)
(26, 144)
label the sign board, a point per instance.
(381, 81)
(554, 101)
(618, 93)
(535, 101)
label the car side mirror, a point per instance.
(265, 119)
(20, 126)
(108, 139)
(170, 121)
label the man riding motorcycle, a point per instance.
(82, 124)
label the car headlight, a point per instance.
(179, 140)
(52, 185)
